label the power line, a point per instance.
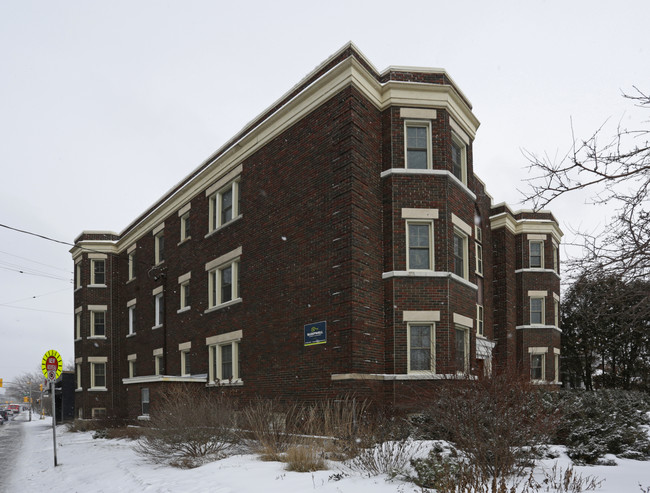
(37, 235)
(36, 274)
(34, 309)
(36, 262)
(33, 297)
(66, 243)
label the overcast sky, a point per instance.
(104, 106)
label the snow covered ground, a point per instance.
(89, 465)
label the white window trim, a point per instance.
(463, 157)
(530, 308)
(423, 316)
(462, 234)
(429, 223)
(418, 123)
(428, 172)
(92, 374)
(541, 248)
(93, 283)
(410, 213)
(429, 273)
(77, 323)
(214, 269)
(158, 298)
(432, 349)
(480, 322)
(142, 402)
(214, 344)
(183, 285)
(538, 351)
(215, 206)
(418, 113)
(130, 307)
(466, 342)
(158, 234)
(77, 272)
(185, 354)
(93, 311)
(184, 221)
(131, 266)
(478, 251)
(98, 412)
(157, 360)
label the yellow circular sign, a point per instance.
(52, 365)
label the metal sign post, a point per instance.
(53, 418)
(51, 367)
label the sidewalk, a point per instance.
(102, 466)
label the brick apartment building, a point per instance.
(339, 243)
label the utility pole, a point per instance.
(30, 401)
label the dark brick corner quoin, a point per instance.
(350, 205)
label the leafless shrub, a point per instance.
(391, 458)
(188, 427)
(500, 424)
(81, 425)
(127, 432)
(565, 481)
(265, 421)
(344, 425)
(305, 457)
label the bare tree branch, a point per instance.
(617, 172)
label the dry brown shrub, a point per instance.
(500, 424)
(127, 432)
(344, 426)
(305, 457)
(189, 427)
(265, 421)
(304, 435)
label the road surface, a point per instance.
(11, 434)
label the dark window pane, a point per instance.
(99, 270)
(420, 344)
(145, 401)
(226, 284)
(535, 254)
(226, 362)
(459, 256)
(536, 366)
(419, 255)
(536, 310)
(460, 350)
(226, 206)
(100, 323)
(457, 160)
(100, 374)
(188, 367)
(416, 147)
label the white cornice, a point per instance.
(163, 378)
(429, 375)
(95, 246)
(256, 134)
(521, 226)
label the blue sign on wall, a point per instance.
(315, 333)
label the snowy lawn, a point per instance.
(99, 465)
